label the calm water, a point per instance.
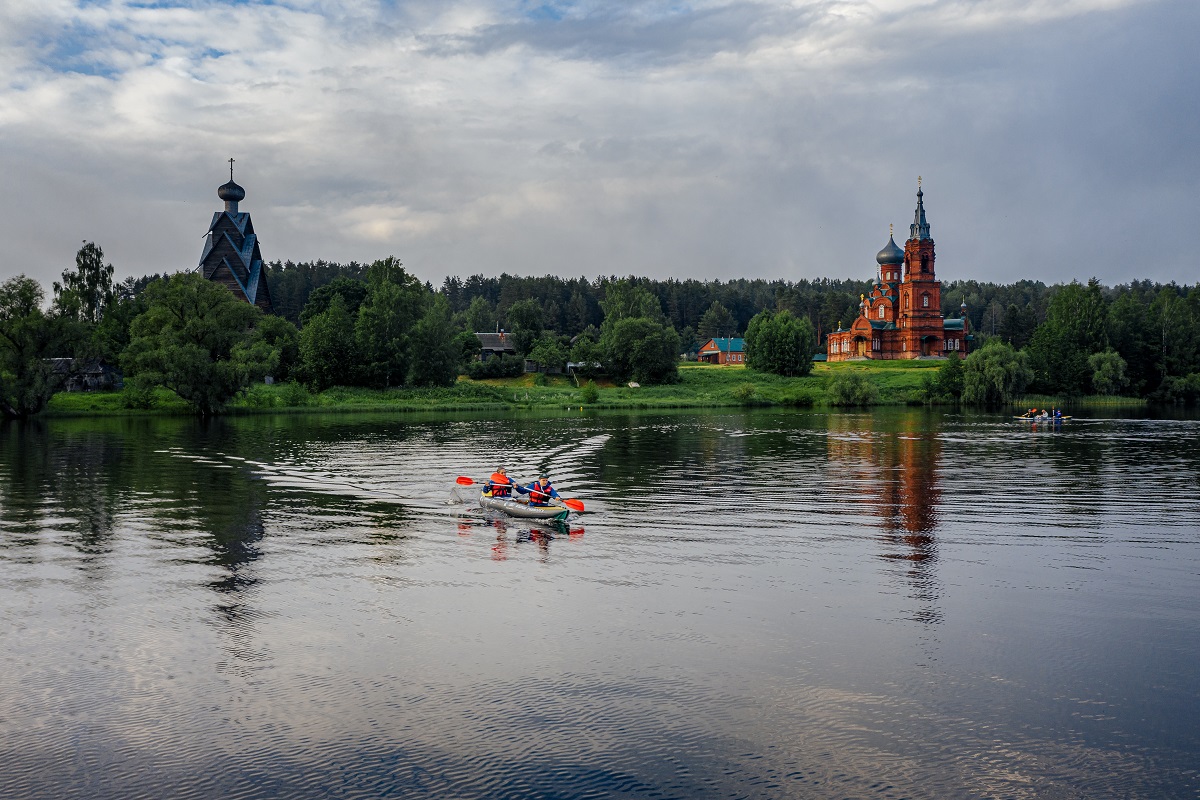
(775, 605)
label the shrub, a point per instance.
(852, 389)
(802, 398)
(744, 393)
(258, 396)
(137, 394)
(589, 394)
(294, 395)
(505, 366)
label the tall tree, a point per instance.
(28, 338)
(198, 340)
(994, 374)
(1073, 330)
(780, 344)
(436, 353)
(717, 322)
(328, 353)
(384, 326)
(642, 349)
(624, 299)
(525, 323)
(86, 291)
(352, 291)
(480, 316)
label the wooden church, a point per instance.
(231, 255)
(901, 317)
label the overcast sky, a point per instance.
(1057, 139)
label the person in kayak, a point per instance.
(499, 485)
(540, 491)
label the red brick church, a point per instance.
(901, 317)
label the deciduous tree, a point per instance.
(28, 339)
(86, 291)
(780, 344)
(994, 374)
(196, 339)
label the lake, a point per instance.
(899, 604)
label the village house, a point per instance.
(723, 351)
(901, 317)
(231, 255)
(493, 345)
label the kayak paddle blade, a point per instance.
(463, 480)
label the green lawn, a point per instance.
(700, 386)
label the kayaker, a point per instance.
(499, 485)
(540, 491)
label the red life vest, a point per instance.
(539, 496)
(501, 485)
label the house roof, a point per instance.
(496, 342)
(724, 345)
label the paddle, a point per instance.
(570, 502)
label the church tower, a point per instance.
(920, 291)
(231, 255)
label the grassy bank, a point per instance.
(700, 386)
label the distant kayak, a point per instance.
(511, 507)
(1043, 419)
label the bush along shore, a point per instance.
(855, 384)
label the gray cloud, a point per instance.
(1057, 140)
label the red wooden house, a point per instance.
(723, 351)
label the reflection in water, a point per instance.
(893, 474)
(264, 607)
(511, 532)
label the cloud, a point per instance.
(710, 139)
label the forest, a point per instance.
(378, 326)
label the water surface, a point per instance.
(759, 604)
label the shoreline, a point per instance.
(701, 386)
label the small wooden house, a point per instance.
(495, 344)
(723, 351)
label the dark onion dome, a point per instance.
(231, 192)
(890, 254)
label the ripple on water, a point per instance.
(755, 605)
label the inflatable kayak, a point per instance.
(1043, 419)
(509, 506)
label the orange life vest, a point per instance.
(500, 485)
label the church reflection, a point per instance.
(891, 471)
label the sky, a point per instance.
(1056, 139)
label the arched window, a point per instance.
(881, 310)
(925, 301)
